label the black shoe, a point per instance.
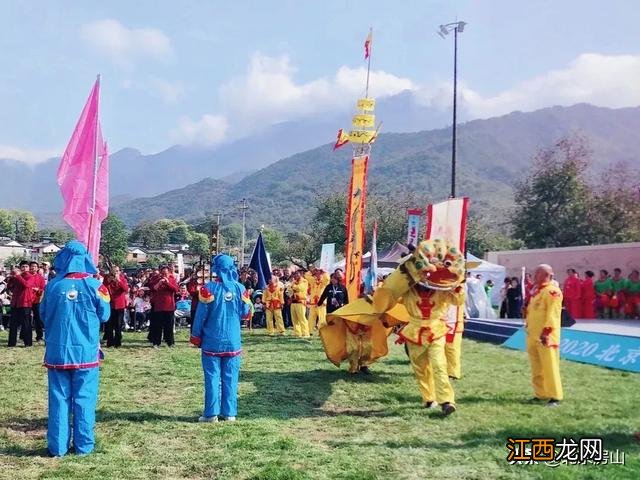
(365, 370)
(553, 403)
(448, 409)
(451, 377)
(430, 405)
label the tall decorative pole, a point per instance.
(362, 135)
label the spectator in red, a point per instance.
(528, 287)
(118, 288)
(152, 277)
(571, 294)
(617, 302)
(588, 296)
(632, 306)
(38, 283)
(19, 284)
(164, 307)
(193, 287)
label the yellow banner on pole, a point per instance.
(362, 136)
(366, 103)
(355, 225)
(363, 120)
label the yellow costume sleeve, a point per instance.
(280, 295)
(386, 297)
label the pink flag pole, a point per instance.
(92, 210)
(83, 176)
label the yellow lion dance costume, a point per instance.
(417, 295)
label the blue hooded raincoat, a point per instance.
(216, 330)
(73, 306)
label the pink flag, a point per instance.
(83, 176)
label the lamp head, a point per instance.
(460, 26)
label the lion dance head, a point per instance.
(438, 264)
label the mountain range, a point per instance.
(133, 174)
(492, 155)
(280, 174)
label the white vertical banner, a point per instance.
(413, 216)
(180, 262)
(448, 220)
(327, 256)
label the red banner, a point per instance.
(355, 225)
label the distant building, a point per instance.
(182, 247)
(136, 255)
(40, 249)
(9, 248)
(164, 252)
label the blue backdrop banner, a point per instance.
(613, 351)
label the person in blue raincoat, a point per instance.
(223, 303)
(72, 308)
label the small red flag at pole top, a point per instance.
(367, 45)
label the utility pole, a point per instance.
(214, 240)
(244, 207)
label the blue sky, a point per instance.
(209, 71)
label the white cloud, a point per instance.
(208, 130)
(30, 156)
(169, 92)
(602, 80)
(122, 44)
(268, 92)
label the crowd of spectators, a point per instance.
(606, 297)
(153, 300)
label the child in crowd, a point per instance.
(141, 307)
(258, 311)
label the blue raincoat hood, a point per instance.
(73, 258)
(225, 269)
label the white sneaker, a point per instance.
(208, 419)
(156, 347)
(229, 419)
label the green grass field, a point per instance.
(300, 417)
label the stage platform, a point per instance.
(499, 330)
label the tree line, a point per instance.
(560, 202)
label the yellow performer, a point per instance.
(317, 280)
(543, 337)
(418, 295)
(453, 347)
(273, 298)
(298, 290)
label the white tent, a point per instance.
(340, 264)
(489, 271)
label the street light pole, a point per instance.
(456, 27)
(455, 109)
